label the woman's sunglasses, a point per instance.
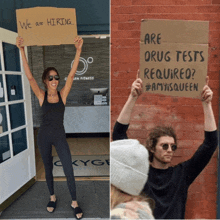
(56, 77)
(166, 146)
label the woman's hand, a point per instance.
(78, 43)
(207, 93)
(19, 42)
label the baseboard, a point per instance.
(78, 179)
(17, 194)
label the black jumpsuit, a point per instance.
(52, 132)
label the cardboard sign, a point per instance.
(174, 57)
(47, 25)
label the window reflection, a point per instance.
(4, 149)
(17, 117)
(2, 96)
(11, 57)
(19, 141)
(14, 87)
(3, 120)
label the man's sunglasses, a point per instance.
(166, 146)
(56, 77)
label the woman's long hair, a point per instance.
(118, 197)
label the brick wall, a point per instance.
(185, 114)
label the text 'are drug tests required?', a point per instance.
(174, 57)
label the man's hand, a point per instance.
(207, 94)
(137, 86)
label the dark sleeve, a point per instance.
(119, 131)
(201, 157)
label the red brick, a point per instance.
(177, 16)
(149, 126)
(207, 9)
(120, 91)
(127, 67)
(210, 170)
(114, 26)
(214, 84)
(191, 101)
(129, 57)
(176, 160)
(213, 67)
(113, 119)
(171, 2)
(189, 127)
(146, 98)
(148, 113)
(120, 18)
(214, 34)
(125, 34)
(195, 119)
(216, 2)
(114, 10)
(124, 75)
(213, 44)
(199, 209)
(142, 9)
(135, 126)
(213, 26)
(185, 144)
(121, 2)
(122, 84)
(164, 100)
(119, 100)
(213, 57)
(128, 51)
(185, 109)
(136, 134)
(127, 42)
(214, 75)
(130, 26)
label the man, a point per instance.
(168, 185)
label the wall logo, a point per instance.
(85, 64)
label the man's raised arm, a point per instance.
(204, 153)
(209, 119)
(121, 125)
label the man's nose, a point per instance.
(169, 147)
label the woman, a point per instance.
(129, 172)
(51, 131)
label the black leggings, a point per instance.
(46, 138)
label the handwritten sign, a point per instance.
(174, 57)
(47, 25)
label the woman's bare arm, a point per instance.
(36, 89)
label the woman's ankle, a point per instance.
(53, 197)
(74, 203)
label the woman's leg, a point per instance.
(45, 149)
(64, 154)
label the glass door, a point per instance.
(17, 158)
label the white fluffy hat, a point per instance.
(129, 165)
